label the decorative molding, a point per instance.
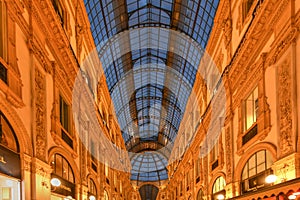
(40, 115)
(281, 46)
(229, 154)
(285, 122)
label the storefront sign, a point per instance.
(10, 163)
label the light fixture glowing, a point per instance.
(92, 197)
(68, 198)
(292, 197)
(55, 182)
(220, 197)
(296, 193)
(271, 178)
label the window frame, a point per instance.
(267, 170)
(69, 167)
(254, 111)
(62, 115)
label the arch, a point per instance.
(68, 157)
(200, 194)
(148, 192)
(258, 147)
(20, 130)
(214, 178)
(94, 179)
(92, 188)
(105, 195)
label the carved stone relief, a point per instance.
(285, 108)
(40, 115)
(228, 144)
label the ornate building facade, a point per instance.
(49, 147)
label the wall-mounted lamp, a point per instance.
(292, 196)
(220, 197)
(92, 197)
(271, 178)
(55, 182)
(68, 198)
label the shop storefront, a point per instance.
(10, 164)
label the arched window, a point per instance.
(106, 195)
(8, 138)
(219, 188)
(62, 170)
(200, 195)
(257, 168)
(92, 190)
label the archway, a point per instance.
(148, 192)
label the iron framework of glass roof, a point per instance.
(149, 85)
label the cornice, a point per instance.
(254, 38)
(281, 44)
(218, 24)
(15, 11)
(58, 41)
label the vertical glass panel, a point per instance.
(65, 170)
(245, 172)
(58, 165)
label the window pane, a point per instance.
(245, 173)
(65, 169)
(71, 175)
(261, 167)
(58, 165)
(261, 157)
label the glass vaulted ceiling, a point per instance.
(148, 108)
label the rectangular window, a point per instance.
(251, 109)
(3, 32)
(64, 114)
(6, 193)
(215, 151)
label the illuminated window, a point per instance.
(7, 134)
(219, 184)
(92, 188)
(251, 109)
(64, 114)
(200, 195)
(106, 195)
(62, 168)
(255, 171)
(219, 187)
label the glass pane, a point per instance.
(245, 173)
(58, 165)
(65, 169)
(261, 158)
(252, 172)
(261, 168)
(71, 175)
(252, 163)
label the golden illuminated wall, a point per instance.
(45, 43)
(256, 49)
